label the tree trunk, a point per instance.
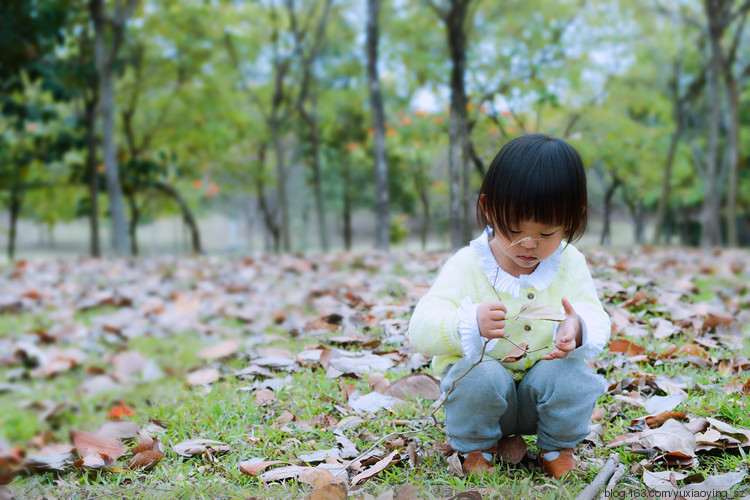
(187, 214)
(278, 148)
(661, 212)
(347, 211)
(425, 201)
(382, 215)
(312, 125)
(135, 215)
(639, 226)
(733, 151)
(455, 22)
(606, 238)
(268, 217)
(710, 232)
(93, 170)
(16, 200)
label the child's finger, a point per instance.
(497, 315)
(495, 333)
(568, 307)
(497, 306)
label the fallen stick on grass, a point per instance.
(591, 491)
(619, 472)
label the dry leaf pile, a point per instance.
(351, 313)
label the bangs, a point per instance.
(536, 178)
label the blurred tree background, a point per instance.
(317, 125)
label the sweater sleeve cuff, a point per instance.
(468, 329)
(594, 332)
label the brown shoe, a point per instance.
(557, 463)
(476, 463)
(511, 449)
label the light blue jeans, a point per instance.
(554, 400)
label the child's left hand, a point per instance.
(569, 333)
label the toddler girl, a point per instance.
(532, 198)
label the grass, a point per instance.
(227, 413)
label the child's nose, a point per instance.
(529, 243)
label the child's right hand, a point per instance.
(491, 319)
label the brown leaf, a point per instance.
(263, 397)
(193, 447)
(654, 421)
(205, 376)
(375, 469)
(316, 477)
(516, 354)
(118, 430)
(145, 443)
(627, 347)
(328, 492)
(691, 350)
(598, 414)
(221, 350)
(146, 460)
(671, 437)
(91, 444)
(378, 382)
(512, 450)
(415, 385)
(253, 469)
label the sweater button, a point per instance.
(527, 328)
(530, 296)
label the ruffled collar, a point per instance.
(539, 279)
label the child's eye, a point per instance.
(515, 232)
(548, 235)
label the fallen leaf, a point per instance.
(654, 421)
(91, 444)
(253, 468)
(281, 473)
(120, 410)
(712, 485)
(328, 492)
(626, 347)
(378, 382)
(415, 385)
(221, 350)
(659, 404)
(662, 481)
(193, 447)
(118, 430)
(372, 402)
(375, 469)
(316, 477)
(672, 436)
(145, 460)
(205, 376)
(263, 397)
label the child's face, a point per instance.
(527, 245)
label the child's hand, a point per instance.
(569, 334)
(491, 319)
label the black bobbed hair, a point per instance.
(535, 177)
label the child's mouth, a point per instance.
(526, 258)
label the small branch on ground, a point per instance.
(592, 491)
(619, 472)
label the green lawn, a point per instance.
(289, 305)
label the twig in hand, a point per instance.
(526, 350)
(591, 491)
